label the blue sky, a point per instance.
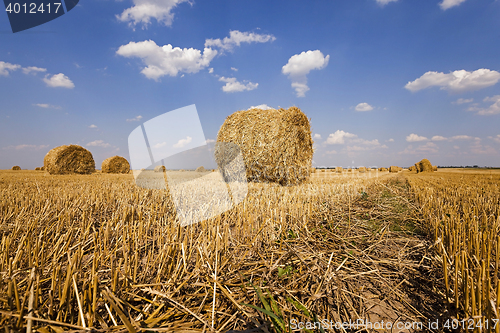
(383, 82)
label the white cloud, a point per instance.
(457, 81)
(261, 106)
(182, 142)
(390, 140)
(338, 138)
(363, 107)
(210, 70)
(232, 85)
(331, 152)
(47, 106)
(59, 80)
(385, 2)
(93, 126)
(98, 143)
(234, 69)
(25, 146)
(463, 101)
(495, 138)
(317, 136)
(447, 4)
(428, 148)
(210, 141)
(438, 138)
(462, 137)
(299, 65)
(166, 60)
(33, 70)
(5, 67)
(160, 145)
(144, 10)
(236, 38)
(415, 138)
(138, 118)
(491, 110)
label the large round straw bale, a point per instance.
(37, 169)
(362, 169)
(339, 169)
(200, 169)
(434, 168)
(382, 169)
(276, 144)
(424, 166)
(412, 168)
(313, 170)
(115, 164)
(69, 159)
(393, 168)
(160, 168)
(349, 170)
(16, 167)
(42, 168)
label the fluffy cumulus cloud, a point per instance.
(457, 81)
(93, 126)
(261, 106)
(144, 10)
(495, 138)
(182, 142)
(138, 118)
(488, 111)
(98, 143)
(385, 2)
(58, 80)
(463, 101)
(317, 136)
(166, 60)
(447, 4)
(233, 85)
(338, 138)
(299, 65)
(5, 67)
(415, 138)
(438, 138)
(363, 107)
(462, 137)
(33, 70)
(236, 38)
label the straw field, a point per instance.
(96, 251)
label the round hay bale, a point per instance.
(276, 144)
(69, 159)
(42, 168)
(434, 168)
(393, 168)
(423, 166)
(160, 168)
(115, 164)
(37, 169)
(313, 170)
(16, 167)
(200, 169)
(382, 169)
(349, 170)
(339, 169)
(412, 168)
(362, 169)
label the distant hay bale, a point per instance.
(313, 170)
(115, 164)
(382, 169)
(423, 166)
(276, 144)
(393, 168)
(362, 169)
(412, 168)
(182, 170)
(69, 159)
(339, 169)
(16, 167)
(37, 169)
(349, 170)
(200, 169)
(42, 168)
(160, 168)
(434, 168)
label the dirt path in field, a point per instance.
(401, 294)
